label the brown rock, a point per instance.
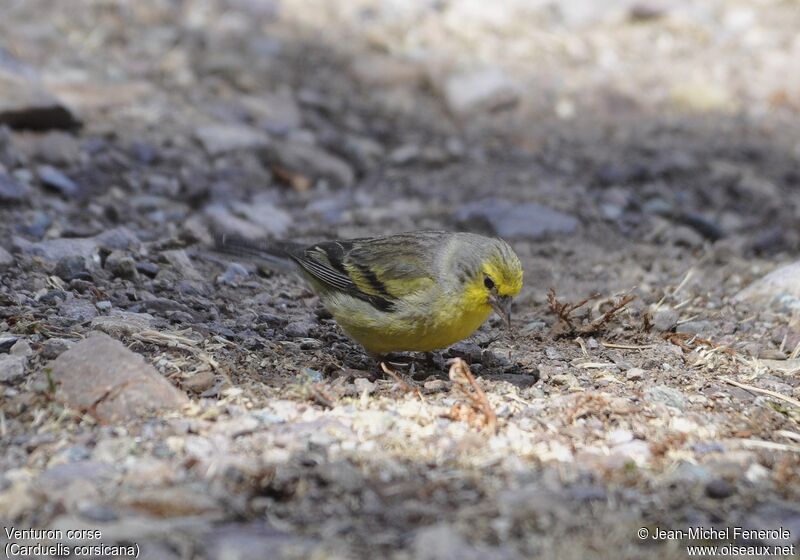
(102, 377)
(25, 104)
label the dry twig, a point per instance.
(774, 394)
(404, 386)
(564, 313)
(462, 378)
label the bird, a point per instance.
(416, 291)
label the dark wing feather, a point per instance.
(325, 263)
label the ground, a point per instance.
(640, 150)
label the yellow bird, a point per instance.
(416, 291)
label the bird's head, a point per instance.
(496, 277)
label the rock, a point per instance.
(25, 104)
(274, 112)
(121, 265)
(665, 319)
(7, 340)
(6, 259)
(87, 247)
(310, 160)
(77, 310)
(509, 219)
(12, 368)
(182, 265)
(56, 180)
(12, 190)
(120, 323)
(71, 267)
(21, 348)
(694, 327)
(272, 220)
(666, 395)
(233, 274)
(102, 377)
(364, 385)
(483, 90)
(223, 138)
(58, 148)
(779, 289)
(298, 329)
(53, 347)
(634, 374)
(719, 489)
(702, 97)
(387, 71)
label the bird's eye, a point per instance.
(489, 283)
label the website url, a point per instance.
(739, 550)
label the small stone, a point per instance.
(24, 104)
(298, 329)
(666, 395)
(482, 90)
(77, 310)
(58, 148)
(233, 275)
(12, 368)
(364, 385)
(57, 180)
(121, 265)
(12, 190)
(219, 139)
(53, 347)
(72, 267)
(510, 219)
(120, 323)
(199, 382)
(694, 327)
(99, 375)
(719, 489)
(7, 341)
(702, 97)
(435, 385)
(275, 112)
(665, 319)
(6, 259)
(310, 160)
(21, 348)
(779, 289)
(634, 374)
(103, 305)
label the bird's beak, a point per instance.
(502, 306)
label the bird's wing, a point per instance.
(377, 270)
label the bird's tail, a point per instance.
(276, 255)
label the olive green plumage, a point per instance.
(415, 291)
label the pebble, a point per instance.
(307, 159)
(21, 348)
(6, 259)
(778, 289)
(57, 180)
(72, 267)
(665, 319)
(12, 368)
(53, 347)
(694, 327)
(7, 341)
(58, 148)
(634, 374)
(25, 105)
(92, 373)
(719, 489)
(12, 190)
(77, 310)
(121, 265)
(219, 139)
(666, 395)
(120, 323)
(364, 385)
(480, 90)
(233, 275)
(515, 220)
